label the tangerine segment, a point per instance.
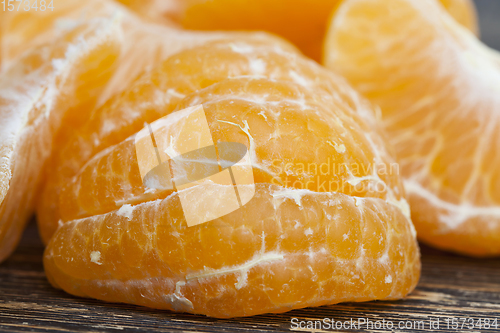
(439, 95)
(157, 93)
(285, 249)
(336, 154)
(303, 22)
(35, 95)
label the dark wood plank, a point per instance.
(451, 287)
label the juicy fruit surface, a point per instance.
(121, 242)
(271, 256)
(439, 95)
(303, 22)
(56, 67)
(35, 94)
(22, 31)
(149, 97)
(464, 12)
(111, 238)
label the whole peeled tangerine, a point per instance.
(287, 247)
(327, 222)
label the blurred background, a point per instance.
(489, 21)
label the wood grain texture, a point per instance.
(451, 287)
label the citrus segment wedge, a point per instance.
(35, 95)
(285, 249)
(439, 96)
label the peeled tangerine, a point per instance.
(303, 22)
(439, 91)
(328, 221)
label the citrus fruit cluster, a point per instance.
(79, 82)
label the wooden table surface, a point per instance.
(451, 287)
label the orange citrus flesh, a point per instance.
(149, 97)
(54, 71)
(464, 12)
(159, 11)
(303, 22)
(288, 247)
(118, 180)
(269, 256)
(113, 239)
(36, 93)
(439, 92)
(21, 30)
